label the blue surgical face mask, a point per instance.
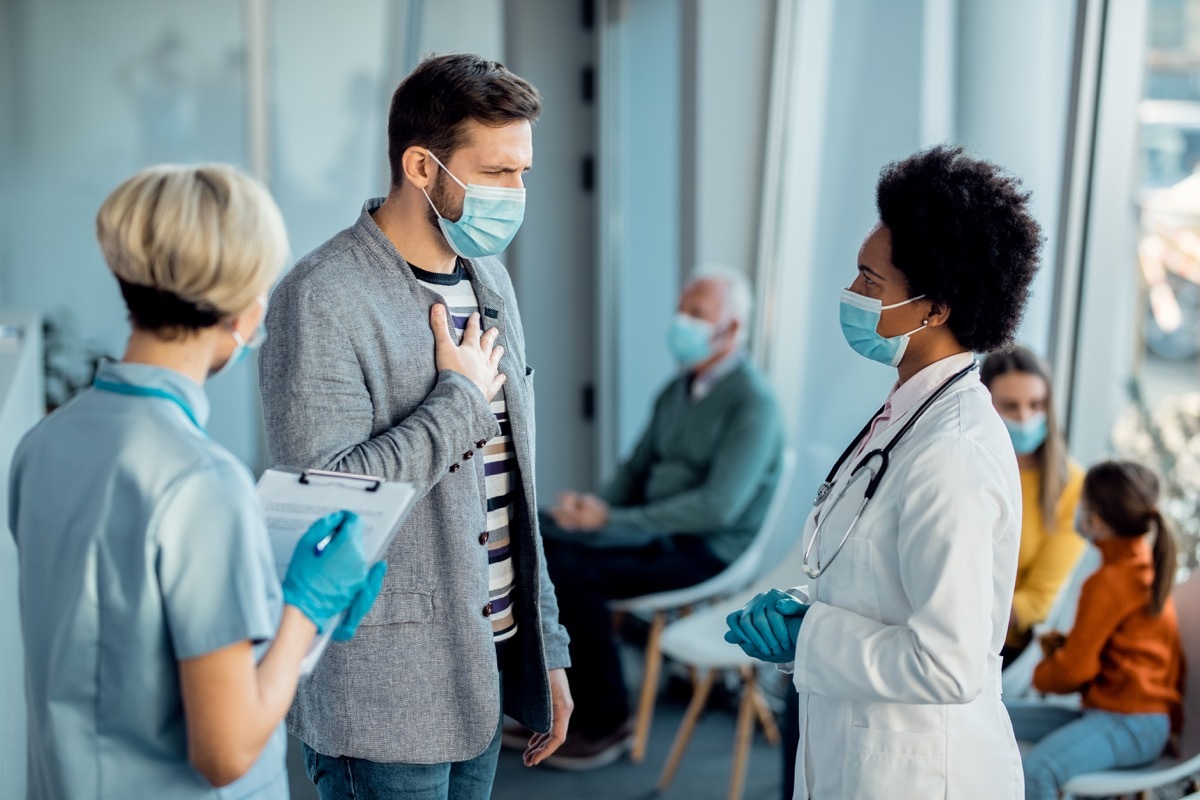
(1029, 435)
(242, 347)
(860, 322)
(491, 217)
(690, 340)
(1079, 528)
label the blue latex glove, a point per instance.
(324, 584)
(361, 603)
(768, 627)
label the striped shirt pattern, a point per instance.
(499, 462)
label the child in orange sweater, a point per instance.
(1123, 653)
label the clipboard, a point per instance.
(293, 502)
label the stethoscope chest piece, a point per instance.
(862, 472)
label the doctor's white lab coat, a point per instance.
(897, 660)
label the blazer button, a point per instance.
(467, 456)
(454, 467)
(480, 444)
(487, 610)
(483, 537)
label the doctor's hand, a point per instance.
(327, 569)
(477, 357)
(767, 627)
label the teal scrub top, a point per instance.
(141, 543)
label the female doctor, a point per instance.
(161, 652)
(910, 552)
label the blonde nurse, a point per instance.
(161, 651)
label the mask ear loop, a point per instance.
(448, 172)
(429, 199)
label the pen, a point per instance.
(320, 546)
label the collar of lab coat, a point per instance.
(905, 396)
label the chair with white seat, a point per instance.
(1016, 681)
(659, 606)
(1166, 770)
(697, 641)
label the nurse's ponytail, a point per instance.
(1125, 495)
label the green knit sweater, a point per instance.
(704, 467)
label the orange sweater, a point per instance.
(1120, 657)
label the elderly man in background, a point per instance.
(681, 508)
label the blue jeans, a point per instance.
(345, 778)
(1070, 742)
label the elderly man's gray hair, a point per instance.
(739, 298)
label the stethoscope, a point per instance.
(864, 468)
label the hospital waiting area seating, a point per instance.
(663, 606)
(1017, 683)
(1167, 770)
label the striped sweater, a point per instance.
(499, 462)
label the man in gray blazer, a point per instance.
(397, 350)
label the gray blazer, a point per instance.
(349, 383)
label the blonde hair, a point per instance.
(191, 245)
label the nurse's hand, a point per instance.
(327, 569)
(764, 626)
(362, 603)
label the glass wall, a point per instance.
(1162, 423)
(92, 92)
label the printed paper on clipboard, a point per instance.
(294, 501)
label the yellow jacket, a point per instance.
(1047, 555)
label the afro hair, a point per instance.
(963, 236)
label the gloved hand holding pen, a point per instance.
(768, 626)
(328, 574)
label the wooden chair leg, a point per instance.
(766, 718)
(745, 729)
(645, 711)
(686, 728)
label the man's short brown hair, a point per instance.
(432, 103)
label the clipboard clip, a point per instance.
(343, 476)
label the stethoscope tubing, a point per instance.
(884, 455)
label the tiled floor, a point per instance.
(703, 775)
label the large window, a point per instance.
(1162, 424)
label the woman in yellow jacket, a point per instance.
(1050, 488)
